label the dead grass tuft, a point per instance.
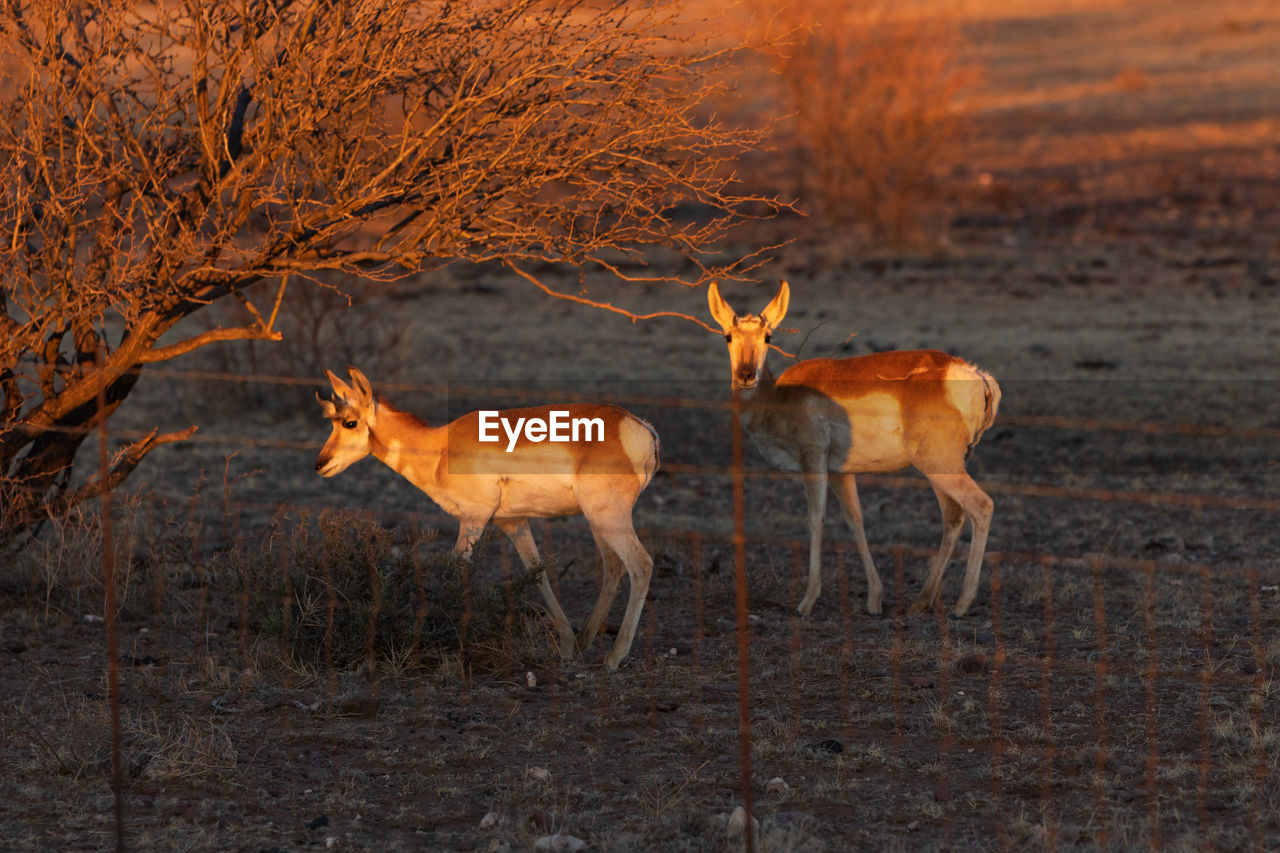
(342, 590)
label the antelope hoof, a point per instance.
(873, 607)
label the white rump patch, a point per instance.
(967, 391)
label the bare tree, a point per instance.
(156, 158)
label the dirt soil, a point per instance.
(1111, 257)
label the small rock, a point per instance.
(323, 820)
(331, 842)
(531, 679)
(93, 619)
(560, 844)
(913, 826)
(489, 821)
(542, 774)
(737, 825)
(973, 664)
(829, 746)
(777, 785)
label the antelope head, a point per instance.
(351, 411)
(747, 335)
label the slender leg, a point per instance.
(611, 525)
(469, 532)
(518, 532)
(847, 491)
(815, 492)
(611, 578)
(640, 569)
(980, 508)
(952, 525)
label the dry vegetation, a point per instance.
(874, 97)
(299, 663)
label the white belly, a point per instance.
(537, 496)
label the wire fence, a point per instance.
(1097, 698)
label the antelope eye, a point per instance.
(728, 337)
(350, 424)
(768, 338)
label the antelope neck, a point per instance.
(410, 432)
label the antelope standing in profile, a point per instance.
(833, 418)
(477, 478)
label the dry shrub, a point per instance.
(873, 88)
(344, 591)
(61, 571)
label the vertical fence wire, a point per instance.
(896, 681)
(995, 699)
(946, 702)
(1101, 655)
(1256, 696)
(1152, 707)
(1205, 712)
(743, 627)
(109, 607)
(1049, 660)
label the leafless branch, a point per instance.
(204, 339)
(604, 306)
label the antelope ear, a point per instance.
(777, 309)
(342, 389)
(330, 410)
(362, 386)
(720, 310)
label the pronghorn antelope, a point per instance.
(836, 418)
(509, 482)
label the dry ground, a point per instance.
(1111, 257)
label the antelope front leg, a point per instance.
(847, 492)
(520, 535)
(469, 533)
(815, 492)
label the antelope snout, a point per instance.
(322, 462)
(746, 375)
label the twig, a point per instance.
(605, 306)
